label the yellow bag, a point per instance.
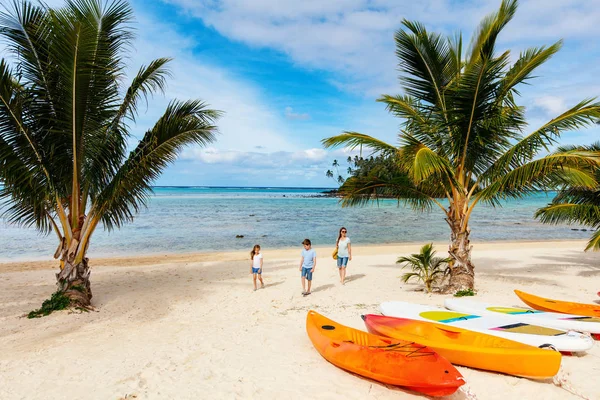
(334, 254)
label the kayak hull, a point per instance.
(565, 307)
(469, 348)
(395, 362)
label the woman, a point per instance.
(344, 253)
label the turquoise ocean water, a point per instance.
(195, 219)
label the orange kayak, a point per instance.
(469, 348)
(391, 361)
(565, 307)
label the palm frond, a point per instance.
(183, 123)
(572, 168)
(417, 121)
(353, 140)
(455, 67)
(408, 275)
(484, 39)
(24, 175)
(106, 150)
(521, 70)
(559, 213)
(526, 149)
(594, 242)
(26, 30)
(474, 108)
(426, 61)
(362, 190)
(413, 261)
(149, 79)
(422, 162)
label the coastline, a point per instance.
(189, 326)
(8, 265)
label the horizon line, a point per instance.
(242, 187)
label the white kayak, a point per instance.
(501, 326)
(551, 319)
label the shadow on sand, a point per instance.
(273, 284)
(322, 288)
(354, 277)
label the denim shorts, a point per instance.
(342, 262)
(306, 273)
(256, 271)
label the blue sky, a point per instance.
(289, 73)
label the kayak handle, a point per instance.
(547, 346)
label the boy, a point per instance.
(308, 263)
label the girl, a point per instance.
(344, 253)
(256, 264)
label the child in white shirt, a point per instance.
(256, 265)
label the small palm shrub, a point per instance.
(425, 266)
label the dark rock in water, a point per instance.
(284, 195)
(331, 193)
(239, 236)
(584, 230)
(517, 223)
(251, 215)
(264, 235)
(573, 229)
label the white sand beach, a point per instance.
(190, 326)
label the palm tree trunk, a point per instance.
(74, 278)
(462, 270)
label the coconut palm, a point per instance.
(462, 136)
(426, 267)
(576, 204)
(65, 123)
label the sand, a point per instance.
(191, 327)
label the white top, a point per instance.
(256, 260)
(343, 247)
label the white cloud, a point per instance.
(249, 121)
(255, 159)
(310, 155)
(290, 114)
(212, 166)
(553, 105)
(355, 37)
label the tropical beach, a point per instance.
(299, 200)
(189, 326)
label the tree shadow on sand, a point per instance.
(576, 258)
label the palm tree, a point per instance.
(425, 265)
(64, 127)
(462, 132)
(576, 204)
